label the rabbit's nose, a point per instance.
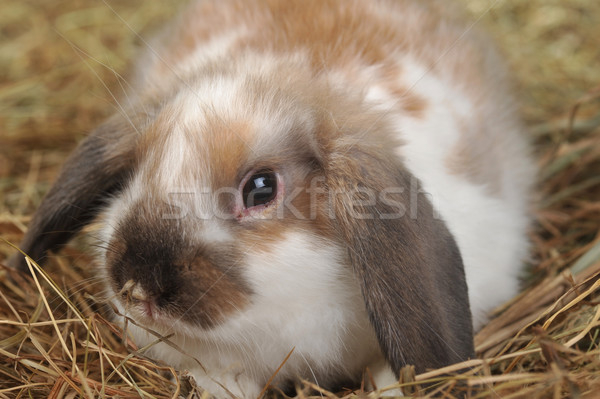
(134, 294)
(138, 293)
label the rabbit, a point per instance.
(327, 185)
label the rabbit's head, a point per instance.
(240, 182)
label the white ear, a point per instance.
(409, 267)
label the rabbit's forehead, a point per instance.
(214, 139)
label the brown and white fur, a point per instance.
(400, 162)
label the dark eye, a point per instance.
(260, 189)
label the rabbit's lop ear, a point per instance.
(94, 170)
(407, 262)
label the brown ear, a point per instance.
(407, 262)
(94, 170)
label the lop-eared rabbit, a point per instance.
(345, 180)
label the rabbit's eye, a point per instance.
(260, 188)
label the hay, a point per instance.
(60, 63)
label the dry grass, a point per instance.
(57, 67)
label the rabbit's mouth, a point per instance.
(136, 300)
(148, 310)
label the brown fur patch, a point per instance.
(477, 157)
(230, 144)
(408, 100)
(348, 37)
(190, 280)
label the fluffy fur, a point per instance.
(399, 162)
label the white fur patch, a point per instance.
(315, 313)
(490, 231)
